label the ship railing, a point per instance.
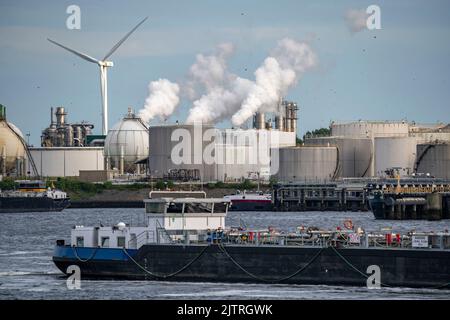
(162, 235)
(346, 239)
(145, 237)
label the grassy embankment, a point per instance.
(79, 190)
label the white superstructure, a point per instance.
(167, 220)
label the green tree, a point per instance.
(7, 184)
(322, 132)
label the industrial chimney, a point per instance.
(60, 116)
(259, 121)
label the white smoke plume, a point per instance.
(288, 61)
(219, 103)
(209, 71)
(162, 100)
(223, 92)
(356, 19)
(218, 94)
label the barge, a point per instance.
(185, 239)
(33, 196)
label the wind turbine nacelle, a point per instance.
(106, 63)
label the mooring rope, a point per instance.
(222, 248)
(383, 284)
(74, 248)
(167, 275)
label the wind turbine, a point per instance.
(103, 64)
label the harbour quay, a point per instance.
(327, 196)
(388, 198)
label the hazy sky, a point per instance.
(399, 72)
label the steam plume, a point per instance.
(218, 94)
(209, 71)
(162, 100)
(219, 103)
(288, 61)
(356, 19)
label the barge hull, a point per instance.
(290, 265)
(32, 204)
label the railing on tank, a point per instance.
(326, 238)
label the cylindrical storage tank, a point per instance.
(260, 122)
(60, 136)
(293, 117)
(131, 135)
(78, 136)
(434, 159)
(370, 129)
(287, 118)
(170, 150)
(11, 147)
(60, 116)
(279, 122)
(429, 137)
(68, 137)
(395, 152)
(355, 154)
(307, 163)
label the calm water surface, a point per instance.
(27, 272)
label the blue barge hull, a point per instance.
(424, 268)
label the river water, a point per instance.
(27, 271)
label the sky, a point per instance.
(401, 71)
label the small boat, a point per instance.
(33, 196)
(250, 201)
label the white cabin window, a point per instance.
(105, 242)
(121, 242)
(80, 242)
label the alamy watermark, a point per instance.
(73, 21)
(374, 19)
(374, 279)
(74, 279)
(199, 145)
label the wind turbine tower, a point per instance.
(104, 64)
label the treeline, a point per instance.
(7, 184)
(322, 132)
(81, 189)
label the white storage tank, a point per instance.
(165, 139)
(434, 158)
(355, 154)
(307, 163)
(431, 133)
(67, 161)
(12, 149)
(126, 143)
(370, 129)
(395, 152)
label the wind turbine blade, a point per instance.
(118, 44)
(80, 54)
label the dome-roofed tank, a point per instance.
(126, 143)
(12, 149)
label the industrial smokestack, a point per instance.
(2, 112)
(287, 118)
(279, 122)
(293, 116)
(60, 116)
(259, 122)
(121, 163)
(52, 120)
(279, 118)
